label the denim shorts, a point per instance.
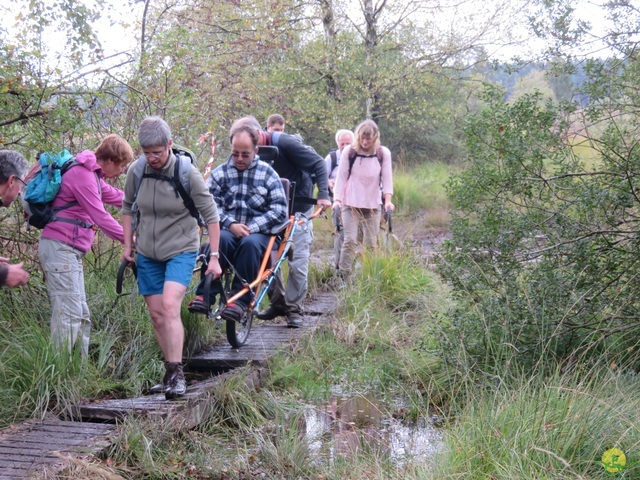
(152, 274)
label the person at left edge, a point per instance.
(167, 243)
(64, 243)
(13, 167)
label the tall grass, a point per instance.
(421, 190)
(545, 426)
(386, 313)
(36, 377)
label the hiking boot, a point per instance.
(157, 388)
(295, 320)
(176, 385)
(272, 312)
(197, 305)
(162, 386)
(233, 311)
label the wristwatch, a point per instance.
(215, 254)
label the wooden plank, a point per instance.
(32, 445)
(156, 405)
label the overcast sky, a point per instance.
(120, 21)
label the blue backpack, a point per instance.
(42, 188)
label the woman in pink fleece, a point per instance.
(67, 239)
(360, 179)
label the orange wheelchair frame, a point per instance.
(238, 331)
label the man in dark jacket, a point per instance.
(301, 164)
(13, 167)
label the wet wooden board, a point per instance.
(190, 406)
(32, 445)
(263, 342)
(323, 303)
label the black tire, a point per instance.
(238, 332)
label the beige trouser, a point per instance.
(367, 220)
(70, 322)
(291, 297)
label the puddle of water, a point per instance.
(346, 426)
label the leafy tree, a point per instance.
(50, 76)
(323, 65)
(545, 248)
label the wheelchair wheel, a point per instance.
(238, 332)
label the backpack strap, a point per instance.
(353, 154)
(72, 162)
(352, 159)
(181, 183)
(334, 159)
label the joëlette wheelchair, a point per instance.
(279, 249)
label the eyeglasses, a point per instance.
(21, 181)
(155, 154)
(243, 155)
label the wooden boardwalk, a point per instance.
(27, 449)
(30, 446)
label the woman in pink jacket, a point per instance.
(364, 172)
(67, 239)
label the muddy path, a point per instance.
(416, 234)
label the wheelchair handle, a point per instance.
(120, 278)
(316, 213)
(207, 290)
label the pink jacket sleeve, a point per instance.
(90, 200)
(111, 195)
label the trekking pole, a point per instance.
(387, 218)
(337, 219)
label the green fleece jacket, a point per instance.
(165, 226)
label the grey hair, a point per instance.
(12, 163)
(248, 120)
(154, 132)
(341, 132)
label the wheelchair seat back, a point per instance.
(268, 153)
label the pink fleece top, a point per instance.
(362, 188)
(80, 184)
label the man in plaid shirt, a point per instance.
(252, 203)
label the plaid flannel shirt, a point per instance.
(254, 197)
